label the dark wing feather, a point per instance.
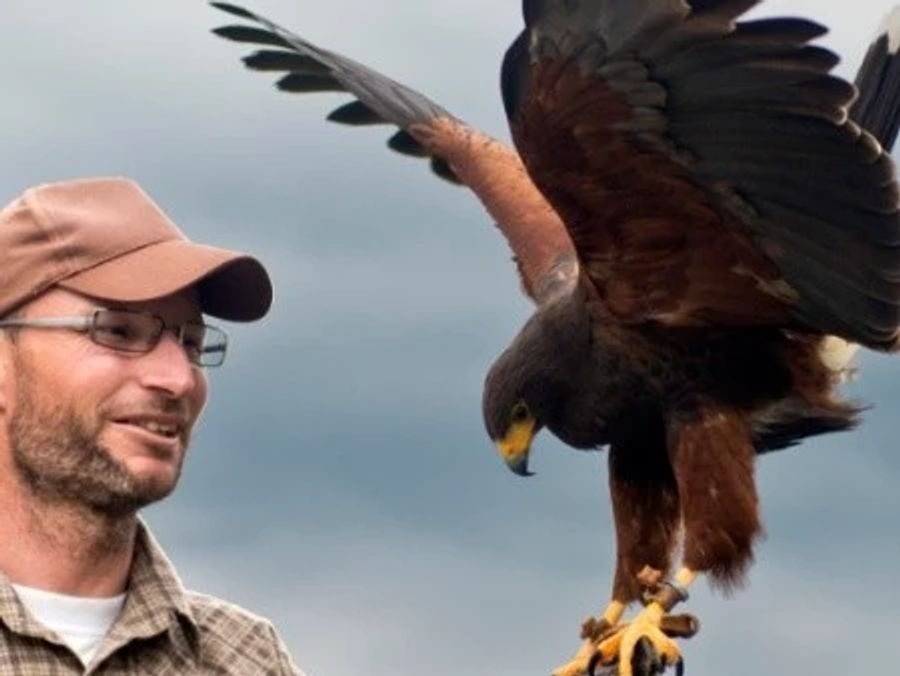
(303, 83)
(878, 107)
(357, 114)
(309, 68)
(249, 34)
(281, 60)
(541, 247)
(707, 169)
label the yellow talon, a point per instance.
(608, 642)
(645, 625)
(578, 664)
(608, 649)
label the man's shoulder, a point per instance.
(228, 631)
(214, 613)
(228, 635)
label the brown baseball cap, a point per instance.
(105, 238)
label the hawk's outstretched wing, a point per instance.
(540, 244)
(703, 171)
(706, 169)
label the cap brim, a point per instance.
(231, 285)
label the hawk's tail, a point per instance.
(877, 109)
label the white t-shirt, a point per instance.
(81, 622)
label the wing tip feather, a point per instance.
(355, 113)
(890, 27)
(233, 10)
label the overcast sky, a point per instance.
(341, 483)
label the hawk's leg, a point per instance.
(712, 456)
(650, 630)
(645, 505)
(711, 459)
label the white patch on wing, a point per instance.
(837, 354)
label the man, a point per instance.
(102, 356)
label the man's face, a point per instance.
(94, 426)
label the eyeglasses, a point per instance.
(129, 331)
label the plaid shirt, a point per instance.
(163, 630)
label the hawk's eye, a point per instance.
(520, 412)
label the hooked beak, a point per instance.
(515, 446)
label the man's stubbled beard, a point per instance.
(57, 453)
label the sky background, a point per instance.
(341, 483)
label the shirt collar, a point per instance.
(16, 618)
(156, 602)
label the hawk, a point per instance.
(707, 220)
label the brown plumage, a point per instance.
(694, 208)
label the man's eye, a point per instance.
(119, 332)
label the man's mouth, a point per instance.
(163, 429)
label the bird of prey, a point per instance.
(706, 218)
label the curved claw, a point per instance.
(599, 660)
(645, 661)
(597, 667)
(593, 663)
